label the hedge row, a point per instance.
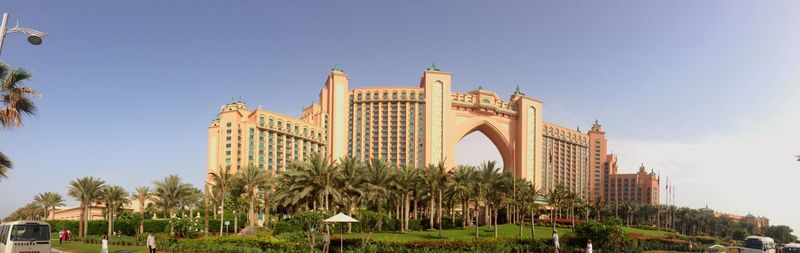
(126, 227)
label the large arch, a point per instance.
(499, 137)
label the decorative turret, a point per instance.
(433, 67)
(596, 126)
(517, 92)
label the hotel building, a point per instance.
(413, 126)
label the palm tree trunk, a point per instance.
(439, 218)
(251, 213)
(110, 217)
(83, 216)
(407, 214)
(533, 225)
(432, 208)
(495, 221)
(222, 219)
(521, 223)
(477, 212)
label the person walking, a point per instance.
(61, 235)
(589, 246)
(104, 248)
(326, 242)
(556, 246)
(69, 235)
(151, 243)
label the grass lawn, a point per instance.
(505, 230)
(77, 247)
(645, 232)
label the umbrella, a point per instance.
(341, 218)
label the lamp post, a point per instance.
(34, 36)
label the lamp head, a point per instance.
(35, 40)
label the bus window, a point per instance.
(30, 232)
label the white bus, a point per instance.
(753, 244)
(25, 237)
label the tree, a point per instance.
(16, 103)
(86, 190)
(221, 181)
(254, 181)
(379, 181)
(461, 188)
(498, 195)
(5, 165)
(782, 233)
(350, 183)
(171, 192)
(435, 176)
(486, 176)
(555, 197)
(142, 194)
(49, 200)
(114, 196)
(407, 178)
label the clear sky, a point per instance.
(707, 92)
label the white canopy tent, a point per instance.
(341, 218)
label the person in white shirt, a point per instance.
(555, 241)
(151, 243)
(104, 248)
(589, 246)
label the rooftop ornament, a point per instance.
(433, 67)
(517, 92)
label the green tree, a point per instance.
(461, 188)
(16, 103)
(114, 196)
(254, 181)
(221, 181)
(782, 233)
(435, 176)
(49, 201)
(171, 192)
(350, 183)
(407, 178)
(142, 194)
(86, 190)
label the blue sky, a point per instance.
(704, 91)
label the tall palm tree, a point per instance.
(555, 197)
(49, 201)
(406, 183)
(461, 188)
(487, 174)
(16, 103)
(254, 181)
(114, 196)
(379, 182)
(86, 190)
(221, 181)
(326, 174)
(142, 194)
(351, 183)
(498, 195)
(435, 176)
(170, 192)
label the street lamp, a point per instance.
(34, 36)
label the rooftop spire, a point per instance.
(433, 67)
(517, 92)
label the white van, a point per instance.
(758, 244)
(791, 248)
(25, 237)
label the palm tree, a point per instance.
(379, 182)
(254, 181)
(221, 181)
(142, 194)
(170, 193)
(461, 188)
(497, 195)
(406, 183)
(5, 165)
(114, 196)
(326, 174)
(435, 176)
(49, 200)
(350, 183)
(555, 197)
(86, 190)
(486, 176)
(16, 103)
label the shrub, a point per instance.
(603, 236)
